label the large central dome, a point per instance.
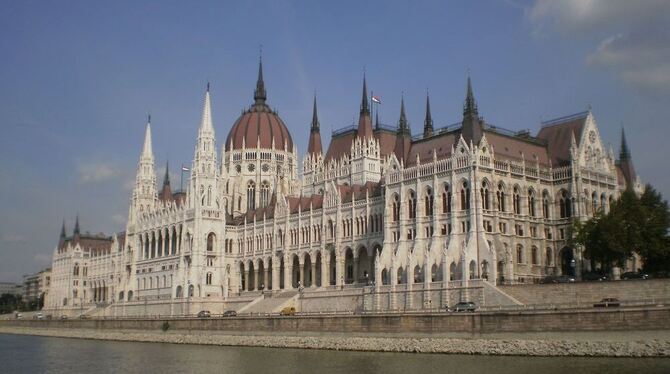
(259, 126)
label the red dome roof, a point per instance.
(259, 124)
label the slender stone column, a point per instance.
(246, 280)
(301, 272)
(257, 279)
(325, 271)
(312, 278)
(288, 276)
(276, 266)
(355, 265)
(266, 277)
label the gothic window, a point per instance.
(484, 191)
(265, 194)
(465, 196)
(446, 199)
(594, 202)
(519, 254)
(396, 208)
(603, 202)
(549, 257)
(251, 195)
(516, 200)
(209, 195)
(412, 205)
(429, 199)
(531, 202)
(500, 196)
(565, 205)
(210, 241)
(545, 204)
(76, 269)
(534, 255)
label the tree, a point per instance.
(655, 246)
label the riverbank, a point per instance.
(533, 346)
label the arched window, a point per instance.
(208, 279)
(265, 194)
(531, 202)
(565, 205)
(396, 208)
(76, 269)
(484, 191)
(412, 205)
(500, 196)
(446, 199)
(210, 241)
(549, 261)
(429, 199)
(465, 196)
(545, 204)
(534, 255)
(594, 202)
(516, 200)
(519, 254)
(251, 195)
(209, 195)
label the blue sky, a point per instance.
(77, 80)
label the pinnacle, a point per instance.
(147, 150)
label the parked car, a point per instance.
(464, 306)
(49, 316)
(204, 314)
(634, 275)
(83, 316)
(38, 316)
(18, 315)
(608, 302)
(595, 276)
(558, 279)
(230, 313)
(288, 311)
(63, 316)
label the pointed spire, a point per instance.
(76, 226)
(470, 106)
(364, 120)
(403, 126)
(62, 230)
(428, 122)
(259, 94)
(147, 150)
(624, 153)
(166, 179)
(314, 146)
(206, 121)
(365, 107)
(315, 117)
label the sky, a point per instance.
(78, 79)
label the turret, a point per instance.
(404, 136)
(166, 191)
(63, 234)
(204, 173)
(144, 192)
(471, 126)
(77, 230)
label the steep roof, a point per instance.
(558, 135)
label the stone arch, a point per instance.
(365, 266)
(401, 275)
(419, 274)
(485, 194)
(567, 261)
(179, 293)
(211, 241)
(385, 277)
(501, 191)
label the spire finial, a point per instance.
(166, 179)
(260, 95)
(403, 126)
(207, 86)
(76, 225)
(365, 108)
(315, 117)
(428, 122)
(147, 150)
(62, 230)
(470, 106)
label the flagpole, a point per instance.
(181, 180)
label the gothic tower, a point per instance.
(204, 171)
(144, 192)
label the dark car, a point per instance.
(230, 313)
(608, 302)
(464, 306)
(634, 275)
(558, 279)
(595, 276)
(204, 314)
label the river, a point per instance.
(32, 354)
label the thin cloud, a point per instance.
(97, 172)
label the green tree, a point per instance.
(655, 248)
(624, 226)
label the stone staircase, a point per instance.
(271, 303)
(493, 296)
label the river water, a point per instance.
(31, 354)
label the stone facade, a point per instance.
(408, 215)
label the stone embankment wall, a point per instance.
(586, 293)
(654, 318)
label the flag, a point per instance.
(376, 99)
(184, 168)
